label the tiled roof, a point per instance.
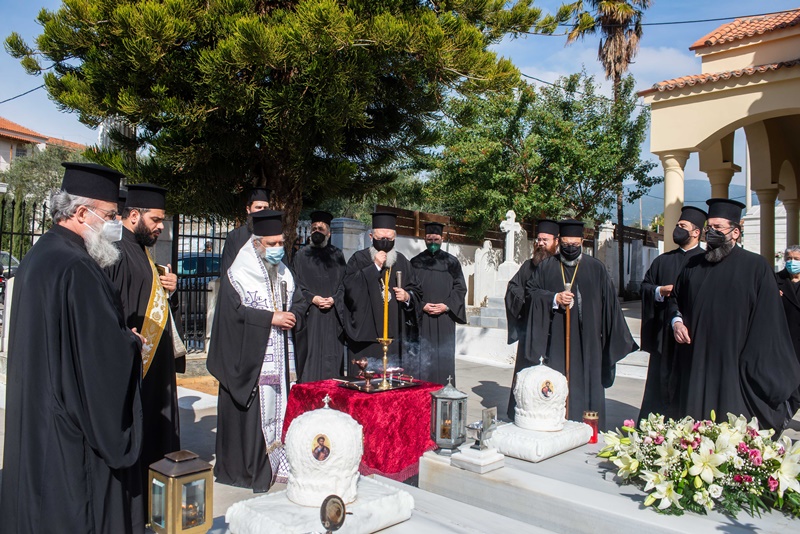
(748, 27)
(65, 144)
(15, 131)
(700, 79)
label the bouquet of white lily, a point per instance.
(702, 465)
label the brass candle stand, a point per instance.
(385, 342)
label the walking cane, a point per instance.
(284, 299)
(567, 287)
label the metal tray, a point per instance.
(359, 385)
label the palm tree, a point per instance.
(620, 24)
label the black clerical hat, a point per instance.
(267, 222)
(258, 193)
(434, 228)
(146, 196)
(123, 196)
(385, 220)
(570, 228)
(321, 216)
(547, 226)
(90, 180)
(725, 208)
(696, 216)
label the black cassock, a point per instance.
(740, 359)
(656, 334)
(791, 306)
(318, 271)
(517, 318)
(239, 337)
(442, 282)
(133, 278)
(74, 415)
(363, 302)
(599, 336)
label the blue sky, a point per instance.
(664, 54)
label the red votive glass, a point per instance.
(590, 418)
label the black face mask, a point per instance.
(680, 236)
(570, 252)
(715, 238)
(317, 238)
(383, 245)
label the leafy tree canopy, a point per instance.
(312, 98)
(32, 177)
(561, 150)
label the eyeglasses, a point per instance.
(109, 215)
(718, 228)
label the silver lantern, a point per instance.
(448, 418)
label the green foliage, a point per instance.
(315, 99)
(560, 151)
(658, 221)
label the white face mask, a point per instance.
(111, 230)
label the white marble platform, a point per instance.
(535, 446)
(377, 507)
(577, 493)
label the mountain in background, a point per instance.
(696, 192)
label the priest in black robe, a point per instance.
(364, 295)
(599, 335)
(319, 268)
(257, 200)
(517, 304)
(74, 412)
(656, 332)
(145, 293)
(443, 306)
(789, 287)
(734, 349)
(252, 356)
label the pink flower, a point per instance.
(648, 440)
(659, 440)
(747, 478)
(630, 423)
(737, 478)
(755, 457)
(772, 483)
(696, 426)
(742, 447)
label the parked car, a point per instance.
(8, 268)
(195, 270)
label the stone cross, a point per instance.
(326, 400)
(510, 227)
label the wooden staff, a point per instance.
(567, 287)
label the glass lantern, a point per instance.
(181, 491)
(448, 418)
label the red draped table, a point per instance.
(397, 424)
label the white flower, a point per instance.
(725, 445)
(706, 461)
(667, 454)
(666, 492)
(627, 465)
(703, 499)
(653, 479)
(715, 491)
(787, 474)
(738, 462)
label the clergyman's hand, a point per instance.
(401, 294)
(284, 320)
(380, 259)
(142, 339)
(564, 299)
(681, 333)
(170, 280)
(665, 290)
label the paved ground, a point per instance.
(487, 386)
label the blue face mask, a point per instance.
(273, 254)
(793, 266)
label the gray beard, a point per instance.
(391, 256)
(272, 271)
(104, 252)
(718, 254)
(570, 263)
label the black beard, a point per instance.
(718, 254)
(539, 255)
(143, 235)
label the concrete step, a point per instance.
(497, 302)
(493, 312)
